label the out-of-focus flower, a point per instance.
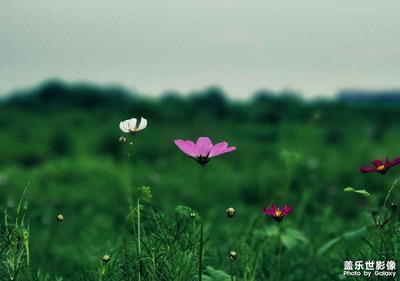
(379, 166)
(129, 126)
(60, 217)
(122, 139)
(233, 255)
(276, 213)
(230, 212)
(106, 258)
(203, 150)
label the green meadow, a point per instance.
(144, 210)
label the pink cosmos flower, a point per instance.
(203, 150)
(380, 167)
(276, 213)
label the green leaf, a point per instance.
(356, 234)
(293, 238)
(327, 246)
(184, 213)
(216, 275)
(362, 192)
(145, 194)
(272, 231)
(290, 156)
(348, 236)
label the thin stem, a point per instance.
(370, 245)
(194, 237)
(102, 271)
(138, 240)
(20, 203)
(237, 273)
(231, 270)
(279, 252)
(26, 243)
(387, 196)
(201, 253)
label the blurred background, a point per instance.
(313, 47)
(307, 91)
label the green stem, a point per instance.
(27, 253)
(279, 252)
(20, 203)
(102, 272)
(370, 245)
(237, 273)
(231, 270)
(16, 260)
(138, 240)
(194, 237)
(387, 196)
(201, 254)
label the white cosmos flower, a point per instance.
(129, 126)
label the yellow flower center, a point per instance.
(380, 168)
(278, 213)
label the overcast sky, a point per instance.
(313, 46)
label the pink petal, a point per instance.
(188, 147)
(203, 146)
(377, 163)
(220, 148)
(268, 212)
(366, 169)
(396, 161)
(273, 209)
(387, 163)
(286, 210)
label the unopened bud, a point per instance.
(230, 212)
(394, 206)
(122, 139)
(233, 255)
(192, 215)
(60, 217)
(106, 258)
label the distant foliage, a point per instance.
(65, 140)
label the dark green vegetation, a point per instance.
(61, 142)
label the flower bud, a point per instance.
(230, 212)
(122, 139)
(192, 214)
(106, 258)
(60, 217)
(233, 255)
(394, 206)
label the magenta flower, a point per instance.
(380, 167)
(203, 150)
(276, 213)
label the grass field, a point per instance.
(159, 215)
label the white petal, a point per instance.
(123, 125)
(143, 124)
(132, 124)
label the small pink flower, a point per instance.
(203, 150)
(380, 167)
(276, 213)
